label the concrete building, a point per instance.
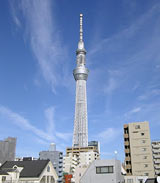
(103, 171)
(135, 179)
(138, 151)
(56, 157)
(7, 149)
(36, 171)
(79, 156)
(156, 156)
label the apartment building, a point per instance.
(7, 149)
(79, 156)
(138, 150)
(156, 156)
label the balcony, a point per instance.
(128, 158)
(126, 135)
(127, 151)
(156, 156)
(125, 126)
(128, 166)
(156, 150)
(126, 143)
(157, 161)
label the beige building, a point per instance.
(77, 157)
(156, 156)
(138, 151)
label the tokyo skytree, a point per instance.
(80, 135)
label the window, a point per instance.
(129, 180)
(145, 165)
(146, 174)
(104, 169)
(142, 134)
(48, 169)
(140, 180)
(143, 141)
(137, 127)
(143, 149)
(3, 178)
(145, 157)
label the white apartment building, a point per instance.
(71, 161)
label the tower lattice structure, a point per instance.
(80, 135)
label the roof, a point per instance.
(2, 172)
(151, 180)
(30, 168)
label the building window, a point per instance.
(3, 178)
(142, 134)
(143, 149)
(48, 169)
(137, 127)
(146, 174)
(104, 169)
(143, 141)
(145, 165)
(129, 180)
(145, 157)
(140, 180)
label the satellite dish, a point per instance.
(158, 179)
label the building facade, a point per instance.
(156, 156)
(56, 157)
(138, 151)
(79, 156)
(103, 171)
(7, 149)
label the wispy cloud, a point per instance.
(41, 31)
(24, 123)
(133, 111)
(108, 135)
(49, 113)
(44, 137)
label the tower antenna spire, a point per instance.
(81, 27)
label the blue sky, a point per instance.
(38, 40)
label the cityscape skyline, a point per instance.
(38, 44)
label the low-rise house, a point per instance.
(36, 171)
(103, 171)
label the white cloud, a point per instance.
(49, 113)
(133, 111)
(148, 94)
(51, 135)
(117, 40)
(64, 136)
(24, 123)
(42, 34)
(108, 135)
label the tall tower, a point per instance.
(80, 135)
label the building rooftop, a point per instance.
(30, 168)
